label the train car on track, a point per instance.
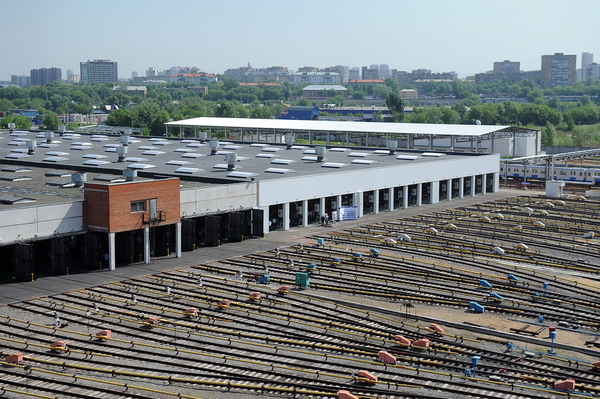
(578, 174)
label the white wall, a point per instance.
(44, 220)
(339, 182)
(218, 199)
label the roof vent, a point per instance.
(202, 137)
(12, 126)
(129, 174)
(289, 140)
(121, 151)
(231, 159)
(124, 139)
(78, 178)
(392, 145)
(62, 129)
(320, 151)
(49, 136)
(31, 144)
(213, 144)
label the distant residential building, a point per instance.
(141, 90)
(308, 69)
(344, 72)
(195, 78)
(316, 78)
(43, 76)
(134, 75)
(268, 84)
(408, 94)
(507, 67)
(151, 72)
(384, 71)
(370, 73)
(503, 70)
(22, 80)
(354, 73)
(558, 70)
(73, 78)
(99, 71)
(587, 60)
(320, 91)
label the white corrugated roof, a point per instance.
(337, 126)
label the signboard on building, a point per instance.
(347, 213)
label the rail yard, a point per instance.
(493, 300)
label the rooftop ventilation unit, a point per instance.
(11, 127)
(231, 159)
(289, 141)
(124, 140)
(78, 178)
(202, 137)
(214, 145)
(49, 136)
(31, 144)
(121, 151)
(129, 174)
(62, 129)
(392, 145)
(320, 151)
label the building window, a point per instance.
(138, 206)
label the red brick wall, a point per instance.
(107, 207)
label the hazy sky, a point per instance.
(465, 36)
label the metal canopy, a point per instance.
(355, 127)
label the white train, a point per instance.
(588, 175)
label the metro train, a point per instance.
(584, 175)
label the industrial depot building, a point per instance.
(81, 201)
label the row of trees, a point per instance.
(228, 98)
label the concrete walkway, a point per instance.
(16, 292)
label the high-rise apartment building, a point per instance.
(151, 72)
(99, 71)
(20, 80)
(344, 72)
(507, 67)
(43, 76)
(558, 70)
(587, 59)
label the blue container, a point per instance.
(356, 256)
(485, 283)
(312, 266)
(496, 297)
(336, 261)
(475, 307)
(320, 241)
(374, 252)
(512, 278)
(264, 279)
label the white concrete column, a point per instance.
(461, 187)
(376, 201)
(339, 204)
(434, 192)
(472, 185)
(358, 201)
(178, 240)
(304, 213)
(404, 197)
(497, 181)
(391, 199)
(449, 189)
(419, 194)
(146, 245)
(483, 183)
(111, 251)
(286, 216)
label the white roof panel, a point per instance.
(341, 126)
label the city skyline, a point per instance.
(465, 37)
